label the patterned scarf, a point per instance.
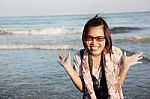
(112, 68)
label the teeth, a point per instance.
(94, 48)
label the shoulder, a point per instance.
(79, 54)
(116, 51)
(77, 62)
(76, 55)
(116, 54)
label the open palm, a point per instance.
(132, 60)
(64, 60)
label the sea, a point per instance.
(29, 48)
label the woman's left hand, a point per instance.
(129, 61)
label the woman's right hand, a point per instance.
(64, 60)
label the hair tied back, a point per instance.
(97, 16)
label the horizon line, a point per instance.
(74, 14)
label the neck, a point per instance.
(96, 57)
(96, 60)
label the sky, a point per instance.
(69, 7)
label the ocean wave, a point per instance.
(59, 30)
(116, 30)
(146, 56)
(135, 39)
(38, 47)
(45, 31)
(53, 47)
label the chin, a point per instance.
(95, 53)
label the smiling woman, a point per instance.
(28, 55)
(100, 68)
(95, 40)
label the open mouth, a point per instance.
(94, 48)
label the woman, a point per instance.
(100, 68)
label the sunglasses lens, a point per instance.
(98, 39)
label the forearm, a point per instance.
(129, 61)
(123, 74)
(74, 77)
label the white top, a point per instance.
(77, 65)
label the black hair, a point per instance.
(94, 22)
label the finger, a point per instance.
(136, 55)
(125, 54)
(68, 55)
(61, 55)
(140, 58)
(139, 62)
(140, 54)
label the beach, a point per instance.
(29, 48)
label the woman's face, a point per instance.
(95, 40)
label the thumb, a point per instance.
(125, 54)
(68, 56)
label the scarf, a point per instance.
(111, 67)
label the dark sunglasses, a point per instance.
(98, 38)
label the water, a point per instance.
(29, 48)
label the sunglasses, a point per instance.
(98, 38)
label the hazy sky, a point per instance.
(67, 7)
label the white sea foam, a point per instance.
(143, 39)
(59, 30)
(39, 47)
(50, 47)
(44, 31)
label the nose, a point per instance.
(94, 41)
